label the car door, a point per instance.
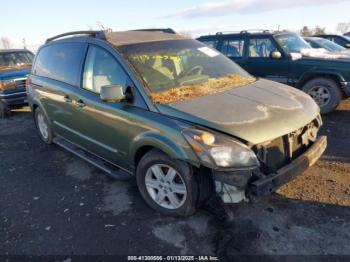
(260, 63)
(108, 128)
(55, 79)
(233, 48)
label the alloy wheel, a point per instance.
(165, 186)
(321, 95)
(42, 125)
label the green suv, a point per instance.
(182, 118)
(286, 58)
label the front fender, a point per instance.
(176, 148)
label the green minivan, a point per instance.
(182, 118)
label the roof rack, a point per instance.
(164, 30)
(90, 33)
(244, 31)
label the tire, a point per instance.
(2, 110)
(40, 122)
(156, 160)
(326, 93)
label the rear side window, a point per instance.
(60, 62)
(233, 48)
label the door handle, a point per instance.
(67, 99)
(80, 103)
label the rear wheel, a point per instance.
(43, 126)
(326, 93)
(167, 185)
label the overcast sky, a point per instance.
(37, 20)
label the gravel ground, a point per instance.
(52, 203)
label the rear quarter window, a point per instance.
(60, 62)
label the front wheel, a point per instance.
(325, 92)
(167, 185)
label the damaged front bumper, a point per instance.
(237, 186)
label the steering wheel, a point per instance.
(196, 70)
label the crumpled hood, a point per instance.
(258, 112)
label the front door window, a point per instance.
(261, 47)
(102, 69)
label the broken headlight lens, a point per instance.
(215, 150)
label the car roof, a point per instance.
(335, 35)
(118, 38)
(138, 37)
(328, 35)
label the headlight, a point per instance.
(7, 84)
(219, 150)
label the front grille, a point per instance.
(282, 150)
(20, 83)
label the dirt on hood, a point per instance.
(196, 90)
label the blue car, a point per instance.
(15, 65)
(342, 40)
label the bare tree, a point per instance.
(6, 44)
(305, 31)
(343, 27)
(320, 30)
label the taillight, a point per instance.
(7, 84)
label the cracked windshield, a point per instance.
(184, 69)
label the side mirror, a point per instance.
(347, 45)
(112, 93)
(276, 55)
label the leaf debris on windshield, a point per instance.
(196, 90)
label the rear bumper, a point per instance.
(271, 183)
(14, 99)
(346, 88)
